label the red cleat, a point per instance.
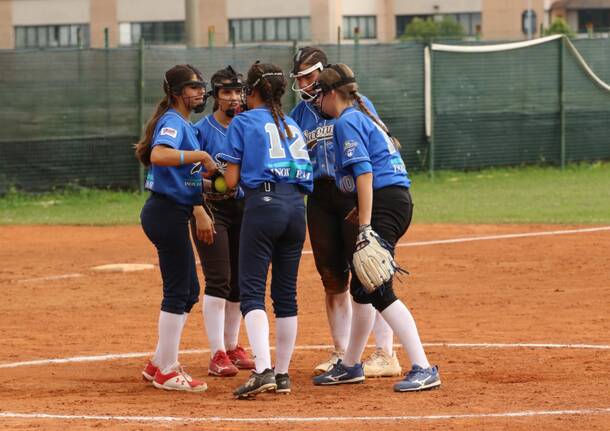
(221, 365)
(149, 372)
(178, 380)
(240, 359)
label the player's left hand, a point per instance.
(205, 228)
(373, 262)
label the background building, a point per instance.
(99, 23)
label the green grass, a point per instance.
(578, 195)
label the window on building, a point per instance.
(366, 26)
(52, 36)
(270, 29)
(596, 20)
(154, 33)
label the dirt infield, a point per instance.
(474, 301)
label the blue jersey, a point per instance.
(256, 145)
(362, 146)
(212, 138)
(180, 183)
(318, 134)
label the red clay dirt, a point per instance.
(542, 289)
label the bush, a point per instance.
(559, 26)
(429, 30)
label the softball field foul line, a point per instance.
(527, 413)
(406, 244)
(494, 237)
(111, 357)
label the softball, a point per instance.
(220, 185)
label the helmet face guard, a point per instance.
(232, 82)
(305, 93)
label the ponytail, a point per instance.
(144, 145)
(362, 106)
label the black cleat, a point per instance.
(283, 383)
(257, 383)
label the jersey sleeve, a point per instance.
(169, 133)
(235, 141)
(351, 144)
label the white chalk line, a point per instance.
(408, 244)
(439, 417)
(51, 277)
(115, 356)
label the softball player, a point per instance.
(368, 165)
(332, 236)
(268, 157)
(170, 148)
(221, 313)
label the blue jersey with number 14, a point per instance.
(361, 146)
(255, 144)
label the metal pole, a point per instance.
(431, 90)
(562, 101)
(140, 126)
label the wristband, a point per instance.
(181, 158)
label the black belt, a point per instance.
(281, 188)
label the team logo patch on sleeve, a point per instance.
(349, 147)
(169, 132)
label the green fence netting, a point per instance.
(72, 116)
(534, 104)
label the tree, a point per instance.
(559, 26)
(429, 29)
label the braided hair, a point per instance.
(332, 74)
(270, 82)
(174, 81)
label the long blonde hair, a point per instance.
(334, 74)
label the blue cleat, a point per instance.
(340, 374)
(419, 379)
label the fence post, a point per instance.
(293, 95)
(562, 101)
(140, 127)
(429, 95)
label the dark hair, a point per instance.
(333, 74)
(175, 79)
(308, 55)
(220, 77)
(270, 82)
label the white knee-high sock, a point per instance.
(400, 319)
(285, 338)
(232, 324)
(339, 313)
(170, 328)
(384, 336)
(363, 318)
(257, 327)
(214, 318)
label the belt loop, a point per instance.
(267, 186)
